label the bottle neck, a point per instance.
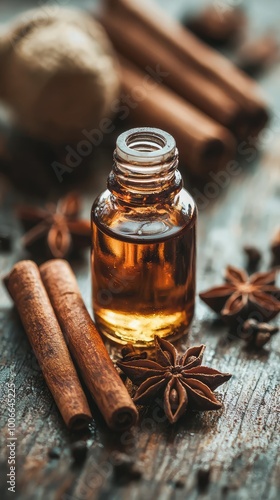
(145, 167)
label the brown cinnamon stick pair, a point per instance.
(145, 50)
(150, 20)
(49, 304)
(45, 336)
(204, 145)
(86, 346)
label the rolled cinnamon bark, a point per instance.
(145, 50)
(193, 52)
(45, 336)
(204, 145)
(87, 347)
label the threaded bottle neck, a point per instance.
(145, 166)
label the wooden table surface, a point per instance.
(238, 446)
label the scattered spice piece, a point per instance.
(258, 54)
(58, 226)
(79, 451)
(179, 378)
(275, 248)
(214, 26)
(179, 483)
(5, 241)
(124, 469)
(242, 295)
(258, 334)
(129, 353)
(225, 490)
(203, 479)
(254, 256)
(54, 453)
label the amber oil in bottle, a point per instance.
(144, 243)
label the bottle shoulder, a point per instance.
(144, 222)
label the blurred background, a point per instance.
(245, 32)
(58, 84)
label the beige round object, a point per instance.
(59, 73)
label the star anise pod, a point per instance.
(180, 379)
(258, 334)
(56, 225)
(244, 295)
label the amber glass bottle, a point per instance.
(144, 243)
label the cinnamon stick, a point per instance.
(87, 347)
(146, 50)
(204, 145)
(193, 52)
(45, 336)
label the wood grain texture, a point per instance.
(239, 444)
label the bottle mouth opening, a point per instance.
(144, 142)
(145, 145)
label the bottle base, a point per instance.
(140, 329)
